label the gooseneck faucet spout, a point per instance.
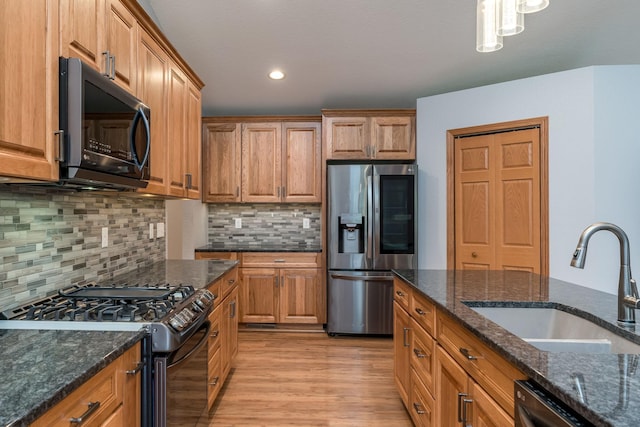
(628, 299)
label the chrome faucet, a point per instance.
(628, 299)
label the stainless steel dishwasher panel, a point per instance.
(360, 302)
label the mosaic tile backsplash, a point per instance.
(52, 239)
(264, 223)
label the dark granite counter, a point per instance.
(198, 273)
(267, 247)
(40, 368)
(611, 381)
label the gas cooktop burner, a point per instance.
(117, 303)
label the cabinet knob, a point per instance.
(474, 254)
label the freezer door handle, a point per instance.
(363, 278)
(370, 219)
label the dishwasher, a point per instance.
(535, 407)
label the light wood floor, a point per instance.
(309, 379)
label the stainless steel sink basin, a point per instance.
(554, 330)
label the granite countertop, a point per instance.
(265, 247)
(611, 381)
(41, 367)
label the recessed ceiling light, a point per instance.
(276, 75)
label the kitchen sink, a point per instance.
(553, 330)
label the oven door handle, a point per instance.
(206, 326)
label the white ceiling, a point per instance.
(377, 53)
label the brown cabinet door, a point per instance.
(222, 157)
(177, 130)
(121, 42)
(153, 69)
(82, 31)
(298, 294)
(301, 161)
(230, 321)
(193, 148)
(486, 412)
(259, 295)
(497, 201)
(393, 138)
(346, 137)
(401, 352)
(29, 86)
(451, 390)
(261, 162)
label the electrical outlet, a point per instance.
(151, 231)
(160, 229)
(105, 237)
(306, 223)
(238, 222)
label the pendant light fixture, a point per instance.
(487, 39)
(530, 6)
(499, 18)
(510, 21)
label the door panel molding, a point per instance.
(513, 156)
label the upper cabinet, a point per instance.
(103, 33)
(29, 86)
(262, 160)
(369, 134)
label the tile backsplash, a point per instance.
(52, 239)
(264, 223)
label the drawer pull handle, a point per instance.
(279, 260)
(420, 311)
(215, 381)
(232, 281)
(418, 409)
(405, 332)
(419, 353)
(465, 353)
(214, 334)
(93, 407)
(461, 416)
(400, 293)
(135, 370)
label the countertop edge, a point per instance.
(205, 249)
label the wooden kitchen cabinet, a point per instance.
(103, 33)
(29, 52)
(446, 373)
(262, 159)
(117, 390)
(369, 134)
(230, 326)
(281, 288)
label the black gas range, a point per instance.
(174, 316)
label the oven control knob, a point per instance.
(177, 323)
(197, 307)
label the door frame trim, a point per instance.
(542, 123)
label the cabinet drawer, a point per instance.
(104, 390)
(228, 282)
(424, 312)
(422, 354)
(280, 259)
(401, 293)
(216, 289)
(490, 370)
(421, 403)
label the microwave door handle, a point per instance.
(370, 221)
(140, 116)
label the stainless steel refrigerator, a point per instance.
(371, 229)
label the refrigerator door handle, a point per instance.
(370, 220)
(363, 278)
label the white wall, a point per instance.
(593, 153)
(186, 227)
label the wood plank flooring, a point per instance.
(309, 379)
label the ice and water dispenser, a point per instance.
(351, 233)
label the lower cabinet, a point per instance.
(109, 398)
(445, 376)
(222, 345)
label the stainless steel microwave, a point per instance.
(106, 140)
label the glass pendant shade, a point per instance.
(510, 21)
(487, 39)
(531, 6)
